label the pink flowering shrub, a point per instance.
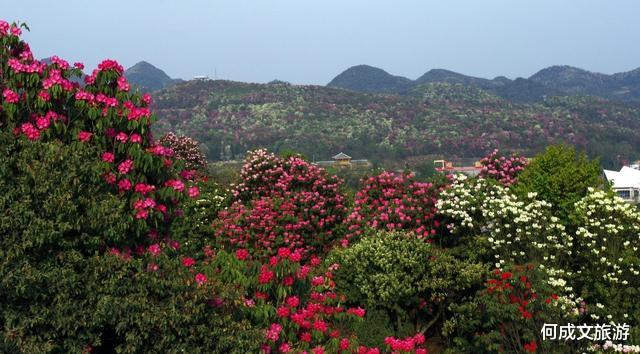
(390, 202)
(298, 304)
(503, 169)
(186, 150)
(282, 203)
(44, 102)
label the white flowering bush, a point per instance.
(607, 260)
(516, 230)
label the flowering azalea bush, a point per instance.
(282, 203)
(59, 224)
(395, 202)
(45, 102)
(504, 169)
(185, 149)
(508, 314)
(87, 202)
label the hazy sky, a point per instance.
(311, 41)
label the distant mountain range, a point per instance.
(148, 78)
(551, 81)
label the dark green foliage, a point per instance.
(61, 292)
(410, 281)
(561, 176)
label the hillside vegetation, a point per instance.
(229, 118)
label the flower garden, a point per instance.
(114, 241)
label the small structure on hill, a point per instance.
(344, 160)
(447, 167)
(626, 182)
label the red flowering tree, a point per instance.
(509, 312)
(391, 201)
(282, 203)
(503, 169)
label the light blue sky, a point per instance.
(311, 41)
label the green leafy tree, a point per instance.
(561, 176)
(408, 279)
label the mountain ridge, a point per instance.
(148, 77)
(556, 80)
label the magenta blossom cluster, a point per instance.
(391, 201)
(42, 100)
(503, 169)
(282, 203)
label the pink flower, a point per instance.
(285, 348)
(84, 136)
(123, 84)
(265, 275)
(15, 30)
(108, 157)
(135, 138)
(124, 185)
(43, 122)
(110, 178)
(200, 278)
(318, 280)
(30, 131)
(320, 325)
(344, 344)
(154, 249)
(146, 98)
(122, 137)
(242, 254)
(176, 184)
(193, 192)
(109, 64)
(360, 312)
(44, 95)
(292, 301)
(10, 96)
(188, 262)
(282, 311)
(125, 166)
(273, 333)
(78, 65)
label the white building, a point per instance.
(626, 183)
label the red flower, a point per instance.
(10, 96)
(200, 278)
(193, 192)
(125, 166)
(293, 301)
(108, 157)
(188, 261)
(154, 249)
(242, 254)
(265, 275)
(531, 346)
(84, 136)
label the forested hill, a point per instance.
(559, 80)
(446, 119)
